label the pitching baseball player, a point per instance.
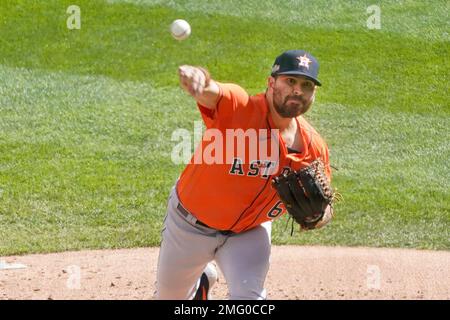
(222, 211)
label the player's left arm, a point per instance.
(328, 215)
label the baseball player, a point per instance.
(222, 211)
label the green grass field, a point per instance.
(86, 116)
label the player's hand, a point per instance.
(192, 79)
(328, 215)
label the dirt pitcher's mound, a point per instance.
(296, 272)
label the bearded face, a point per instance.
(292, 95)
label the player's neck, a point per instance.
(288, 130)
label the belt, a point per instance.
(186, 214)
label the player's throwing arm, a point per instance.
(197, 82)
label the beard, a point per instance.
(290, 109)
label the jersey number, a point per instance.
(276, 210)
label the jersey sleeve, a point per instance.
(231, 98)
(326, 160)
(317, 148)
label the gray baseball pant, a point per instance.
(187, 248)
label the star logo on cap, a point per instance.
(304, 61)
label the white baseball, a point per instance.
(180, 29)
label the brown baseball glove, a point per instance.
(307, 195)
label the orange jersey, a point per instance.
(236, 194)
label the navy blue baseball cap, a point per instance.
(297, 62)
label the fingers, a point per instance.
(182, 70)
(198, 83)
(192, 79)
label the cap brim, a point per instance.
(297, 73)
